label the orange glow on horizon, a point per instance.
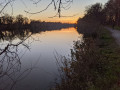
(61, 19)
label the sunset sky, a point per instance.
(77, 8)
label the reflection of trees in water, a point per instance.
(11, 35)
(10, 61)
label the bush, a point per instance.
(91, 66)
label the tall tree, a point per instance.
(93, 12)
(113, 11)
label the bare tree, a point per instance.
(59, 5)
(4, 4)
(11, 70)
(10, 62)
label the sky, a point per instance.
(77, 8)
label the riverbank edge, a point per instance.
(109, 50)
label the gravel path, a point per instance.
(115, 34)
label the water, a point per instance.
(43, 48)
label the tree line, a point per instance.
(108, 14)
(8, 22)
(11, 22)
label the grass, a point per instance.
(117, 27)
(94, 64)
(111, 51)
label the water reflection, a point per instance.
(10, 65)
(23, 55)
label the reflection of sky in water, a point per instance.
(42, 56)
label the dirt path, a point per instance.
(115, 34)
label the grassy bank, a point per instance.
(117, 27)
(110, 50)
(94, 63)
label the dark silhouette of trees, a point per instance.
(6, 19)
(108, 14)
(94, 11)
(10, 22)
(19, 19)
(26, 20)
(19, 22)
(113, 12)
